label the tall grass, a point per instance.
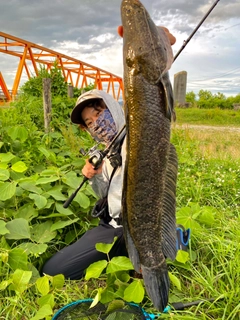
(209, 181)
(214, 116)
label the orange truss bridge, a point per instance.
(75, 72)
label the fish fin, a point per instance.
(157, 285)
(167, 86)
(132, 252)
(169, 234)
(131, 248)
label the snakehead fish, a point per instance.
(149, 187)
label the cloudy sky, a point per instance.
(87, 30)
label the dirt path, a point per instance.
(205, 127)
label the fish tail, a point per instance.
(157, 285)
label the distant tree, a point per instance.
(220, 95)
(33, 87)
(191, 97)
(205, 95)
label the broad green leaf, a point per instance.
(7, 190)
(18, 259)
(119, 264)
(182, 256)
(3, 257)
(46, 180)
(3, 229)
(4, 284)
(4, 244)
(41, 233)
(114, 305)
(56, 193)
(18, 133)
(30, 186)
(108, 295)
(95, 269)
(185, 217)
(18, 229)
(43, 285)
(105, 247)
(82, 200)
(134, 292)
(6, 157)
(97, 298)
(43, 312)
(65, 211)
(124, 276)
(1, 144)
(16, 176)
(3, 165)
(39, 200)
(120, 291)
(72, 180)
(44, 151)
(28, 212)
(21, 280)
(175, 280)
(4, 174)
(89, 191)
(47, 299)
(58, 281)
(33, 248)
(54, 171)
(19, 166)
(78, 163)
(62, 224)
(207, 215)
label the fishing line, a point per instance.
(196, 29)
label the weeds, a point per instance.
(38, 172)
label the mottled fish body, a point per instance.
(149, 191)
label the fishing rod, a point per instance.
(96, 158)
(195, 30)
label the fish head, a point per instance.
(146, 47)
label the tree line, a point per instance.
(205, 99)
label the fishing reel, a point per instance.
(96, 156)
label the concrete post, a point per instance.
(180, 87)
(70, 91)
(47, 103)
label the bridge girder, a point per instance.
(76, 72)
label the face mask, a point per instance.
(104, 128)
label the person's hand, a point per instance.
(88, 170)
(170, 36)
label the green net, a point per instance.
(81, 310)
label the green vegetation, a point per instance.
(39, 171)
(206, 100)
(213, 117)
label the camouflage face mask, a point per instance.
(104, 128)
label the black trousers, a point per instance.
(73, 260)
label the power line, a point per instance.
(217, 76)
(232, 26)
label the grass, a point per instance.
(213, 117)
(209, 178)
(212, 143)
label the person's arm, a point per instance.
(171, 37)
(97, 178)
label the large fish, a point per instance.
(149, 191)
